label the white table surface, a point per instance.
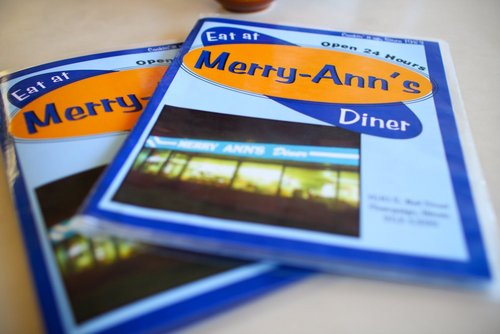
(34, 32)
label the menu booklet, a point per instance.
(337, 151)
(61, 124)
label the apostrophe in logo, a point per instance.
(100, 104)
(299, 73)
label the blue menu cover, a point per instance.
(61, 124)
(330, 150)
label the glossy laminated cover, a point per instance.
(330, 150)
(61, 125)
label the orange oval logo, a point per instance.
(307, 74)
(106, 103)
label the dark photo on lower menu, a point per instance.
(103, 273)
(248, 169)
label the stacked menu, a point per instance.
(61, 124)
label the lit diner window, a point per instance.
(175, 165)
(141, 158)
(105, 251)
(155, 161)
(349, 187)
(80, 254)
(309, 184)
(258, 178)
(210, 171)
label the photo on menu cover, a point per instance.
(248, 169)
(102, 273)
